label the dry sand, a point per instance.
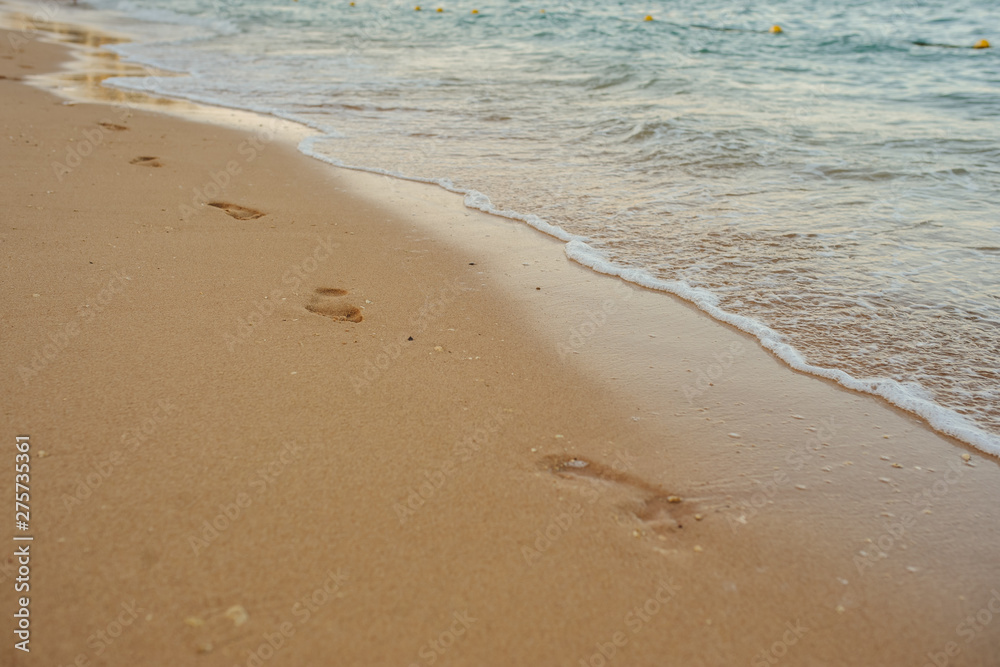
(582, 474)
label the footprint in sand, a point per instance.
(237, 211)
(146, 161)
(662, 511)
(327, 302)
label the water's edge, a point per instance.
(941, 419)
(576, 248)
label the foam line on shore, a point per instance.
(578, 249)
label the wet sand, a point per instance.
(285, 414)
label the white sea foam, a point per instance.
(910, 397)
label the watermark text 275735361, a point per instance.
(22, 550)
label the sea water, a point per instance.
(833, 188)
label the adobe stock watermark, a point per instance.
(463, 452)
(561, 524)
(89, 140)
(894, 531)
(898, 23)
(385, 26)
(437, 647)
(434, 306)
(591, 321)
(634, 621)
(779, 648)
(218, 181)
(558, 526)
(61, 339)
(103, 467)
(228, 7)
(713, 372)
(970, 629)
(17, 38)
(293, 277)
(302, 612)
(903, 202)
(101, 639)
(769, 488)
(264, 478)
(77, 151)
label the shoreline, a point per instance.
(505, 527)
(942, 420)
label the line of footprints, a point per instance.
(326, 301)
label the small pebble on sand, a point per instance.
(237, 614)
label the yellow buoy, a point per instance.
(417, 8)
(352, 4)
(440, 10)
(981, 44)
(775, 29)
(475, 11)
(541, 11)
(648, 18)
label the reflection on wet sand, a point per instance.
(84, 77)
(64, 32)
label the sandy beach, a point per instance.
(285, 414)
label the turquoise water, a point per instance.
(833, 189)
